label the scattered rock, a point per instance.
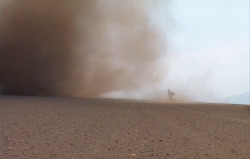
(133, 155)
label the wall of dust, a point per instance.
(37, 41)
(78, 48)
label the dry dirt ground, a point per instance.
(43, 128)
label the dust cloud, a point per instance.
(78, 48)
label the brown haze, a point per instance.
(77, 48)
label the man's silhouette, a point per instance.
(170, 94)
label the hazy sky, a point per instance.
(208, 48)
(210, 45)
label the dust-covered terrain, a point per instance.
(39, 127)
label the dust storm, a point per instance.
(78, 48)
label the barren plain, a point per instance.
(71, 128)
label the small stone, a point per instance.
(133, 155)
(10, 148)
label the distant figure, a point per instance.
(170, 94)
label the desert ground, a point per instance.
(71, 128)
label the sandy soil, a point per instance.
(37, 127)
